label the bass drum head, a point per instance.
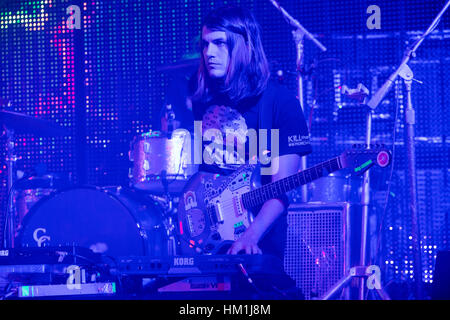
(105, 222)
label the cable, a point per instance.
(249, 279)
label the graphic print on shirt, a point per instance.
(225, 132)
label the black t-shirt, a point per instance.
(275, 108)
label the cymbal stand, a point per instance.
(11, 158)
(168, 212)
(299, 40)
(170, 227)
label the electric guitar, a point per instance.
(215, 210)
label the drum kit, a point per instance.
(47, 210)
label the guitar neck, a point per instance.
(280, 187)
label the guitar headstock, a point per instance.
(360, 159)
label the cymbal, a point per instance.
(23, 123)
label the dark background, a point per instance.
(103, 82)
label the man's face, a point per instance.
(215, 52)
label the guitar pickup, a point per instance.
(215, 214)
(218, 213)
(237, 206)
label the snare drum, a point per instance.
(105, 221)
(158, 159)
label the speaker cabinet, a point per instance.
(317, 251)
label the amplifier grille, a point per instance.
(316, 254)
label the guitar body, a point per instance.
(210, 211)
(214, 210)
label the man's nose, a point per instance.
(210, 50)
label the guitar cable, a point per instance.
(245, 273)
(248, 278)
(253, 285)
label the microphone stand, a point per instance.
(407, 75)
(299, 34)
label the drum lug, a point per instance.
(130, 173)
(146, 147)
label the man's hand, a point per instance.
(245, 243)
(270, 211)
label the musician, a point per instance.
(234, 92)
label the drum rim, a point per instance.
(141, 231)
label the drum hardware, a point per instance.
(14, 123)
(11, 158)
(169, 214)
(21, 123)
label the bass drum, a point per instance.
(104, 220)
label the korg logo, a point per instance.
(183, 262)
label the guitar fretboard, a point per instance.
(278, 188)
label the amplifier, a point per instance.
(317, 253)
